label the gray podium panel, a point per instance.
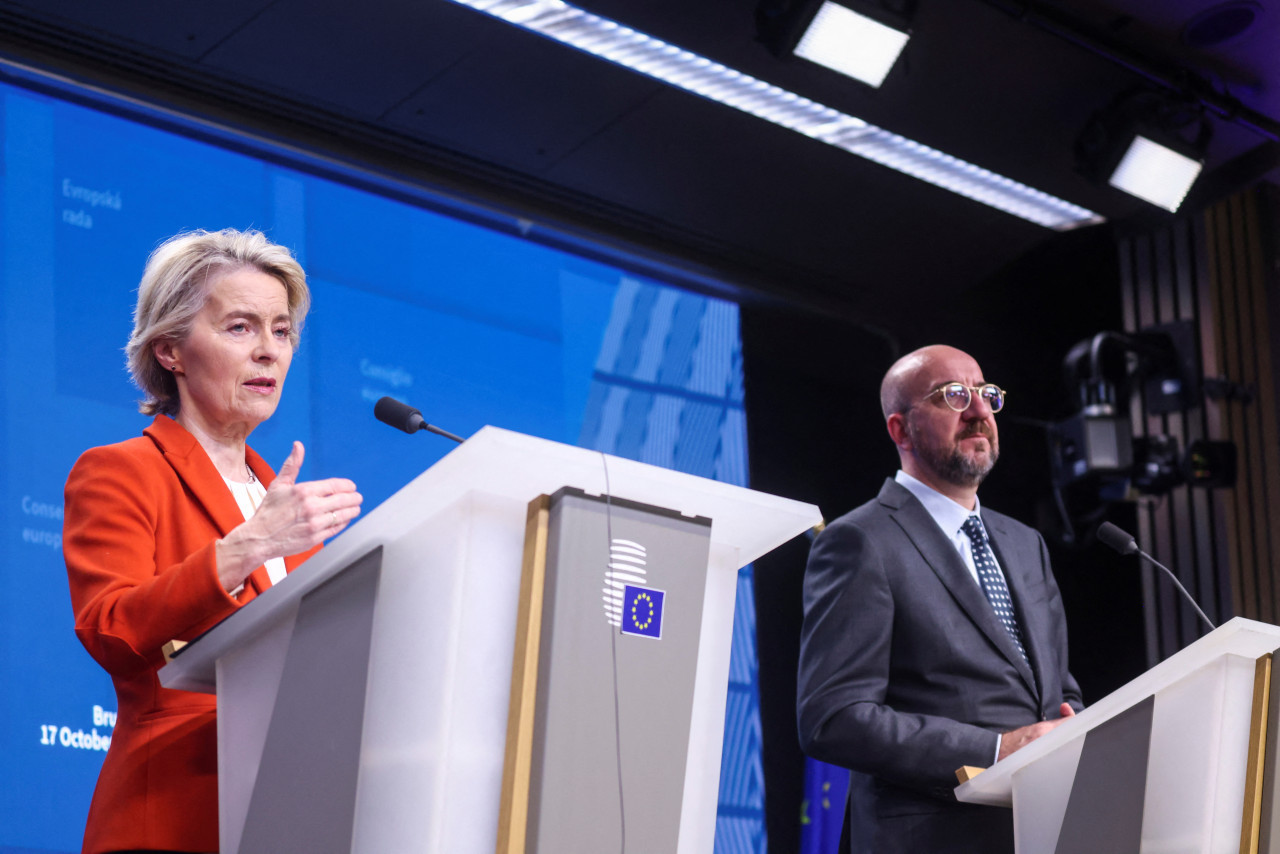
(1104, 813)
(622, 617)
(304, 797)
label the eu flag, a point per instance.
(642, 611)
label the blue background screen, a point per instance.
(471, 324)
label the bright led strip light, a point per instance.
(701, 76)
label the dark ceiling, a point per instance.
(433, 91)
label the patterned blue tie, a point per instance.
(992, 580)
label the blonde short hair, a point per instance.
(175, 286)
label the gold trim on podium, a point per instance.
(171, 649)
(513, 814)
(1253, 789)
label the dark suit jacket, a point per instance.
(905, 673)
(141, 520)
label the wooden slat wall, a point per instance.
(1223, 544)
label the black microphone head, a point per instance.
(402, 416)
(1117, 538)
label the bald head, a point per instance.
(916, 374)
(949, 450)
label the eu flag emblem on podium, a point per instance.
(642, 611)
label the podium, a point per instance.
(366, 704)
(1178, 760)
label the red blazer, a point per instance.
(141, 520)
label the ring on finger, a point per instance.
(333, 519)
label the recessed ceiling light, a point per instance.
(851, 43)
(1155, 173)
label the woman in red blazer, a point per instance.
(168, 533)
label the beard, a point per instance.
(948, 461)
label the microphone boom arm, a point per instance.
(440, 431)
(1123, 542)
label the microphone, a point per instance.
(404, 417)
(1123, 542)
(1117, 538)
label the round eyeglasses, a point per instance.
(959, 396)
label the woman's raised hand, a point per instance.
(292, 518)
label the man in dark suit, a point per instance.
(930, 641)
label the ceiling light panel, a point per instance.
(852, 44)
(1155, 173)
(683, 69)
